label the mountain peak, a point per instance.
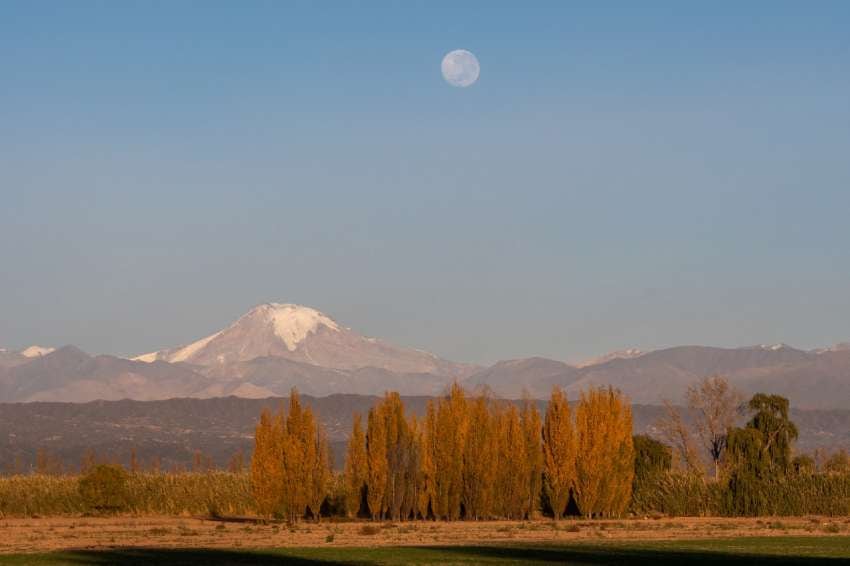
(774, 347)
(300, 334)
(35, 351)
(292, 323)
(626, 354)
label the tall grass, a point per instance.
(678, 494)
(227, 493)
(150, 494)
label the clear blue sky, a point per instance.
(623, 174)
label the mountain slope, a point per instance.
(811, 380)
(302, 334)
(69, 374)
(513, 378)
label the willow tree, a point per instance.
(559, 450)
(759, 453)
(605, 461)
(771, 418)
(356, 468)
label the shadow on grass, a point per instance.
(576, 554)
(176, 556)
(598, 554)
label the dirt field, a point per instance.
(50, 534)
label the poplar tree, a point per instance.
(356, 468)
(511, 465)
(448, 454)
(290, 467)
(399, 453)
(559, 449)
(419, 494)
(427, 449)
(478, 458)
(321, 475)
(605, 461)
(267, 470)
(295, 460)
(305, 441)
(533, 463)
(376, 450)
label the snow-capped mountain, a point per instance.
(306, 335)
(12, 358)
(35, 351)
(840, 347)
(276, 346)
(617, 355)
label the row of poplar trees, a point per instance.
(290, 468)
(478, 457)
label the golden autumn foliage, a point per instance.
(450, 438)
(394, 447)
(479, 463)
(533, 464)
(482, 458)
(376, 451)
(321, 476)
(290, 467)
(427, 440)
(559, 449)
(511, 465)
(267, 464)
(356, 468)
(605, 455)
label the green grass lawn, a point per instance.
(767, 551)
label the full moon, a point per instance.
(460, 68)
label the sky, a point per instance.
(622, 174)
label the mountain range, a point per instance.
(276, 346)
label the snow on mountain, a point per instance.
(840, 347)
(36, 351)
(771, 347)
(305, 335)
(293, 323)
(618, 355)
(290, 323)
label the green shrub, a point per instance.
(104, 489)
(651, 457)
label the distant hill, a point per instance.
(813, 380)
(277, 346)
(219, 427)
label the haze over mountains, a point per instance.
(275, 347)
(172, 430)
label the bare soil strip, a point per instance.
(66, 533)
